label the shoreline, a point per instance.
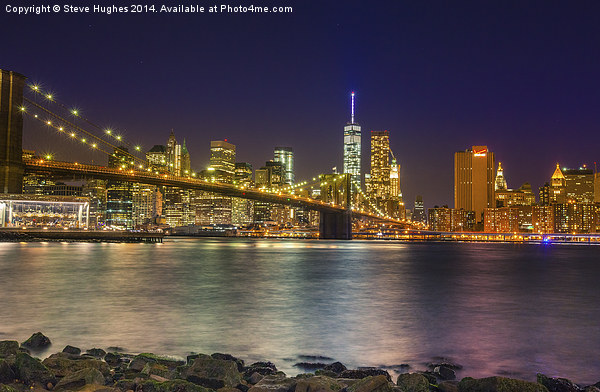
(114, 370)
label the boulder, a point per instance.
(71, 350)
(445, 363)
(140, 360)
(372, 384)
(157, 369)
(274, 383)
(557, 384)
(213, 373)
(262, 368)
(448, 386)
(318, 384)
(412, 382)
(365, 372)
(29, 370)
(6, 373)
(444, 372)
(113, 359)
(80, 378)
(591, 388)
(37, 341)
(255, 378)
(63, 364)
(229, 357)
(8, 347)
(430, 376)
(169, 386)
(499, 384)
(336, 367)
(327, 373)
(96, 353)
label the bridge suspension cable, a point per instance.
(76, 112)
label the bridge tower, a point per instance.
(336, 189)
(11, 132)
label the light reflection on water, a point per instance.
(495, 308)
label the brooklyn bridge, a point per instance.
(336, 208)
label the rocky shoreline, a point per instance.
(97, 370)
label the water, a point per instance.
(501, 309)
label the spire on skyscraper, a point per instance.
(500, 180)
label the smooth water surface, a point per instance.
(495, 308)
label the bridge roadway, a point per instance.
(78, 170)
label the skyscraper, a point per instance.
(474, 180)
(352, 147)
(558, 184)
(579, 185)
(173, 155)
(380, 164)
(500, 183)
(222, 158)
(419, 210)
(285, 156)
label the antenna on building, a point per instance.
(352, 94)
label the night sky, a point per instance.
(441, 76)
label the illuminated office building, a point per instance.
(597, 187)
(474, 180)
(500, 183)
(285, 156)
(579, 185)
(419, 210)
(242, 210)
(380, 164)
(352, 147)
(222, 157)
(558, 190)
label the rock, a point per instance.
(430, 376)
(80, 378)
(263, 368)
(158, 378)
(29, 370)
(315, 358)
(274, 383)
(192, 357)
(226, 389)
(412, 382)
(72, 350)
(365, 372)
(448, 386)
(255, 378)
(591, 388)
(37, 341)
(213, 373)
(557, 384)
(327, 373)
(157, 369)
(62, 364)
(336, 367)
(6, 373)
(372, 384)
(242, 387)
(229, 357)
(318, 384)
(169, 386)
(113, 359)
(125, 385)
(140, 360)
(8, 347)
(310, 365)
(96, 353)
(445, 373)
(498, 384)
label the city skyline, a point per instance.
(514, 77)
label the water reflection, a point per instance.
(497, 309)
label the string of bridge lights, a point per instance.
(77, 113)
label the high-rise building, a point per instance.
(474, 180)
(119, 194)
(156, 159)
(558, 184)
(173, 155)
(95, 191)
(597, 187)
(579, 185)
(285, 156)
(515, 197)
(186, 168)
(418, 214)
(380, 164)
(352, 147)
(500, 183)
(242, 210)
(222, 157)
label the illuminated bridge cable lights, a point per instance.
(99, 140)
(76, 112)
